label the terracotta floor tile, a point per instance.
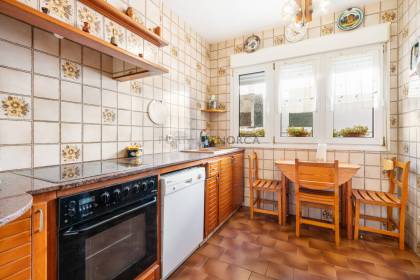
(304, 275)
(347, 274)
(272, 255)
(256, 276)
(188, 273)
(279, 271)
(295, 261)
(322, 269)
(196, 261)
(335, 259)
(260, 249)
(211, 251)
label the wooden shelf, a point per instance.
(142, 68)
(125, 21)
(214, 110)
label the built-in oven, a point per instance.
(110, 233)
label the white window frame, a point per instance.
(380, 113)
(268, 106)
(323, 123)
(318, 130)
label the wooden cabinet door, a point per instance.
(39, 241)
(211, 209)
(15, 248)
(238, 180)
(225, 189)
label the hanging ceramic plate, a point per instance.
(350, 19)
(157, 112)
(295, 32)
(252, 43)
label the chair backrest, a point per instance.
(316, 175)
(252, 167)
(399, 178)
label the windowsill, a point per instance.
(337, 147)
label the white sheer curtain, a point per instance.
(355, 81)
(297, 87)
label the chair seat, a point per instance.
(316, 198)
(377, 198)
(267, 185)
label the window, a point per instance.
(297, 97)
(251, 104)
(254, 104)
(354, 87)
(335, 98)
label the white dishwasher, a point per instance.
(182, 216)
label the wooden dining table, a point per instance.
(345, 173)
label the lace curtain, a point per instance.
(355, 81)
(297, 88)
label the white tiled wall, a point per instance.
(404, 16)
(65, 116)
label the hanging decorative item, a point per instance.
(252, 43)
(113, 38)
(129, 12)
(295, 32)
(86, 27)
(350, 19)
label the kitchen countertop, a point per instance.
(17, 187)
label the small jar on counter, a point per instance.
(134, 151)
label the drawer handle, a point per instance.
(41, 220)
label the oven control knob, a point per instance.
(117, 193)
(151, 185)
(126, 191)
(71, 209)
(105, 197)
(144, 186)
(136, 188)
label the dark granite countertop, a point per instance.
(17, 187)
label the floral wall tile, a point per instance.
(135, 87)
(108, 116)
(15, 107)
(389, 16)
(70, 172)
(93, 18)
(115, 30)
(70, 70)
(278, 40)
(60, 9)
(327, 29)
(134, 43)
(70, 153)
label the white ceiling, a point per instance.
(218, 20)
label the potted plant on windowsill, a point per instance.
(355, 131)
(298, 132)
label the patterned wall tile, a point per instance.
(70, 71)
(60, 9)
(86, 17)
(15, 107)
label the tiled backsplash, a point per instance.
(58, 103)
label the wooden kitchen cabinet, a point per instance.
(238, 180)
(15, 248)
(43, 236)
(223, 190)
(211, 210)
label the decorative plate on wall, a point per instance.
(157, 112)
(252, 43)
(295, 32)
(350, 19)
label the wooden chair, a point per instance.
(317, 186)
(259, 186)
(397, 177)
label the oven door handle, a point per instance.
(72, 232)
